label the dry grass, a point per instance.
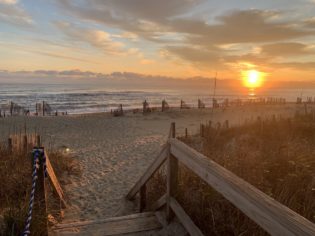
(15, 185)
(276, 156)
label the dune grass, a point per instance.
(277, 156)
(15, 186)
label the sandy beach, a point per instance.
(114, 152)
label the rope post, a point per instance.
(37, 206)
(40, 206)
(38, 141)
(172, 183)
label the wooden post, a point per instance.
(202, 130)
(172, 183)
(38, 141)
(173, 130)
(172, 177)
(25, 143)
(186, 133)
(226, 124)
(163, 104)
(10, 147)
(11, 108)
(305, 108)
(144, 107)
(43, 108)
(40, 207)
(143, 198)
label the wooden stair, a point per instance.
(135, 224)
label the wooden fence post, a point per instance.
(173, 130)
(25, 144)
(186, 133)
(10, 147)
(226, 124)
(202, 130)
(43, 108)
(172, 178)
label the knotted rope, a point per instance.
(37, 153)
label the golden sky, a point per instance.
(173, 38)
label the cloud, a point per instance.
(245, 26)
(95, 38)
(11, 13)
(145, 18)
(201, 41)
(196, 55)
(287, 49)
(151, 18)
(8, 2)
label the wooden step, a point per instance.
(140, 222)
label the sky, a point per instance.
(160, 38)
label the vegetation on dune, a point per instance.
(15, 186)
(276, 156)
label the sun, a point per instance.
(252, 78)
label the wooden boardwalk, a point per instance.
(272, 216)
(140, 224)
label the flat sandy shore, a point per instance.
(115, 151)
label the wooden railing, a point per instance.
(273, 217)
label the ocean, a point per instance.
(85, 98)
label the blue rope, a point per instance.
(37, 153)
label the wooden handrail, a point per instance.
(158, 161)
(272, 216)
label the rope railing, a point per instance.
(38, 159)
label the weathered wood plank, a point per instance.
(272, 216)
(159, 203)
(101, 221)
(188, 224)
(114, 226)
(158, 161)
(172, 183)
(54, 181)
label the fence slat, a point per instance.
(55, 181)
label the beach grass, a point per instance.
(275, 155)
(15, 185)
